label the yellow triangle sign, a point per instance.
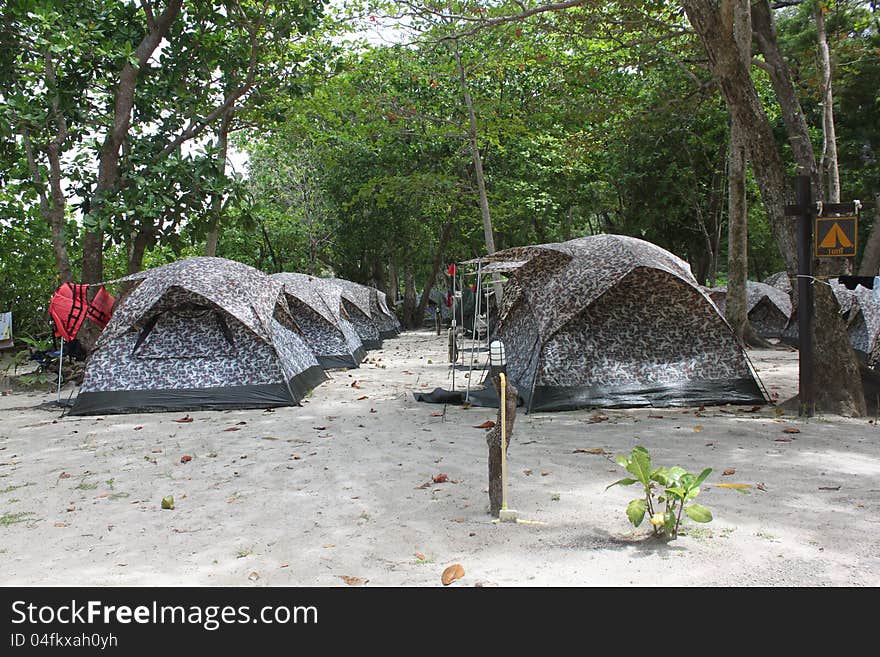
(835, 238)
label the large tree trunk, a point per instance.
(736, 303)
(836, 391)
(870, 265)
(829, 150)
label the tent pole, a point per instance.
(60, 359)
(474, 336)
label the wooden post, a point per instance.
(805, 295)
(493, 440)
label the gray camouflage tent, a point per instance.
(769, 308)
(200, 333)
(610, 320)
(332, 338)
(357, 303)
(387, 320)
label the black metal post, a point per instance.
(805, 295)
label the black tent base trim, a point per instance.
(691, 393)
(372, 345)
(200, 399)
(342, 361)
(738, 391)
(389, 334)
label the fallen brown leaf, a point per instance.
(782, 440)
(184, 419)
(64, 475)
(269, 438)
(353, 581)
(61, 524)
(791, 430)
(436, 414)
(363, 397)
(597, 418)
(186, 458)
(488, 424)
(698, 428)
(440, 478)
(729, 471)
(354, 384)
(420, 556)
(138, 428)
(592, 450)
(232, 429)
(452, 573)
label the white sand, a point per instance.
(248, 512)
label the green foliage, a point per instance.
(667, 493)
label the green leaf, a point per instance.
(702, 477)
(623, 482)
(621, 460)
(698, 513)
(677, 492)
(636, 511)
(640, 465)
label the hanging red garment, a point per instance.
(70, 306)
(101, 307)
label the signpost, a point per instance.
(836, 237)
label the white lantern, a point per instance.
(497, 356)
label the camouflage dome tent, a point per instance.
(610, 320)
(357, 304)
(769, 308)
(200, 333)
(387, 321)
(333, 339)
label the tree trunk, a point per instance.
(493, 440)
(53, 212)
(829, 149)
(870, 265)
(217, 202)
(736, 303)
(144, 238)
(409, 298)
(488, 234)
(108, 164)
(764, 32)
(436, 264)
(835, 390)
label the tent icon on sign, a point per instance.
(836, 236)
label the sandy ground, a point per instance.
(339, 488)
